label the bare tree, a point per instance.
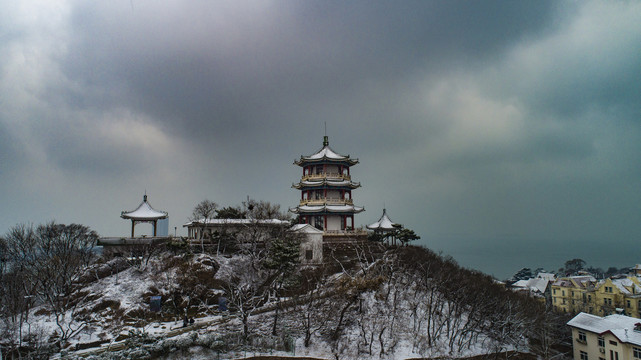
(50, 260)
(203, 212)
(263, 210)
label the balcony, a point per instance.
(326, 175)
(313, 202)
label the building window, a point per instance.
(554, 291)
(612, 342)
(563, 293)
(318, 222)
(608, 289)
(629, 304)
(636, 352)
(309, 254)
(589, 297)
(601, 342)
(582, 338)
(554, 299)
(584, 355)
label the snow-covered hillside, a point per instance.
(392, 303)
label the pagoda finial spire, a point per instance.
(144, 198)
(325, 138)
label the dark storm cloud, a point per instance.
(211, 73)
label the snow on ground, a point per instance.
(359, 335)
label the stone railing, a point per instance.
(326, 175)
(327, 202)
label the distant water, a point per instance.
(502, 257)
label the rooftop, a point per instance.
(144, 212)
(223, 222)
(621, 326)
(384, 223)
(326, 154)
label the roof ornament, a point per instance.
(325, 138)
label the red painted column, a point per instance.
(325, 223)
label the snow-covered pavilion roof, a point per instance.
(144, 212)
(325, 154)
(384, 223)
(306, 209)
(620, 326)
(327, 182)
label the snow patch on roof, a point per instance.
(616, 324)
(223, 222)
(144, 212)
(384, 223)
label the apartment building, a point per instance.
(614, 337)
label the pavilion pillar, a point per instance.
(155, 223)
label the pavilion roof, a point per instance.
(327, 182)
(144, 212)
(384, 223)
(323, 209)
(326, 154)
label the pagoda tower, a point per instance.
(326, 191)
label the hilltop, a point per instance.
(371, 300)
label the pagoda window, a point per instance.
(318, 222)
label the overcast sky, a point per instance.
(506, 134)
